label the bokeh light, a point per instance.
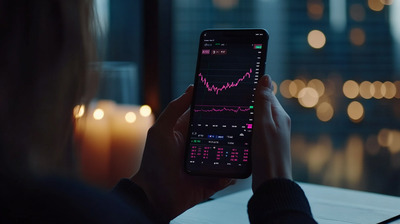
(284, 89)
(293, 90)
(145, 111)
(308, 97)
(390, 139)
(79, 111)
(317, 85)
(351, 89)
(336, 169)
(295, 87)
(316, 39)
(365, 90)
(225, 4)
(397, 84)
(376, 90)
(325, 111)
(357, 36)
(319, 154)
(130, 117)
(315, 9)
(357, 12)
(375, 5)
(385, 137)
(394, 146)
(355, 110)
(388, 90)
(354, 156)
(274, 87)
(98, 114)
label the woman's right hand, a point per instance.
(271, 136)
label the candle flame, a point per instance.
(145, 111)
(79, 111)
(98, 114)
(130, 117)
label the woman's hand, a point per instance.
(271, 137)
(169, 189)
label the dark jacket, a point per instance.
(58, 200)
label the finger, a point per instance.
(281, 118)
(182, 126)
(276, 115)
(183, 122)
(263, 102)
(175, 109)
(279, 115)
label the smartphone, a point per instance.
(229, 65)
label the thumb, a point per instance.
(175, 109)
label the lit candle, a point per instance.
(128, 126)
(112, 139)
(93, 135)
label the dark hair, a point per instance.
(46, 47)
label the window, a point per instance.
(336, 70)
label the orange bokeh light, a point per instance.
(316, 39)
(355, 110)
(357, 36)
(351, 89)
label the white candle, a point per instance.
(128, 135)
(93, 135)
(112, 139)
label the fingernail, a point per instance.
(267, 82)
(270, 82)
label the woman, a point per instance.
(46, 47)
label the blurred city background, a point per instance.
(335, 66)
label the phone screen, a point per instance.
(229, 65)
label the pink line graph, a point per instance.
(224, 87)
(238, 109)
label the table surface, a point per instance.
(328, 204)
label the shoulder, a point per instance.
(59, 200)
